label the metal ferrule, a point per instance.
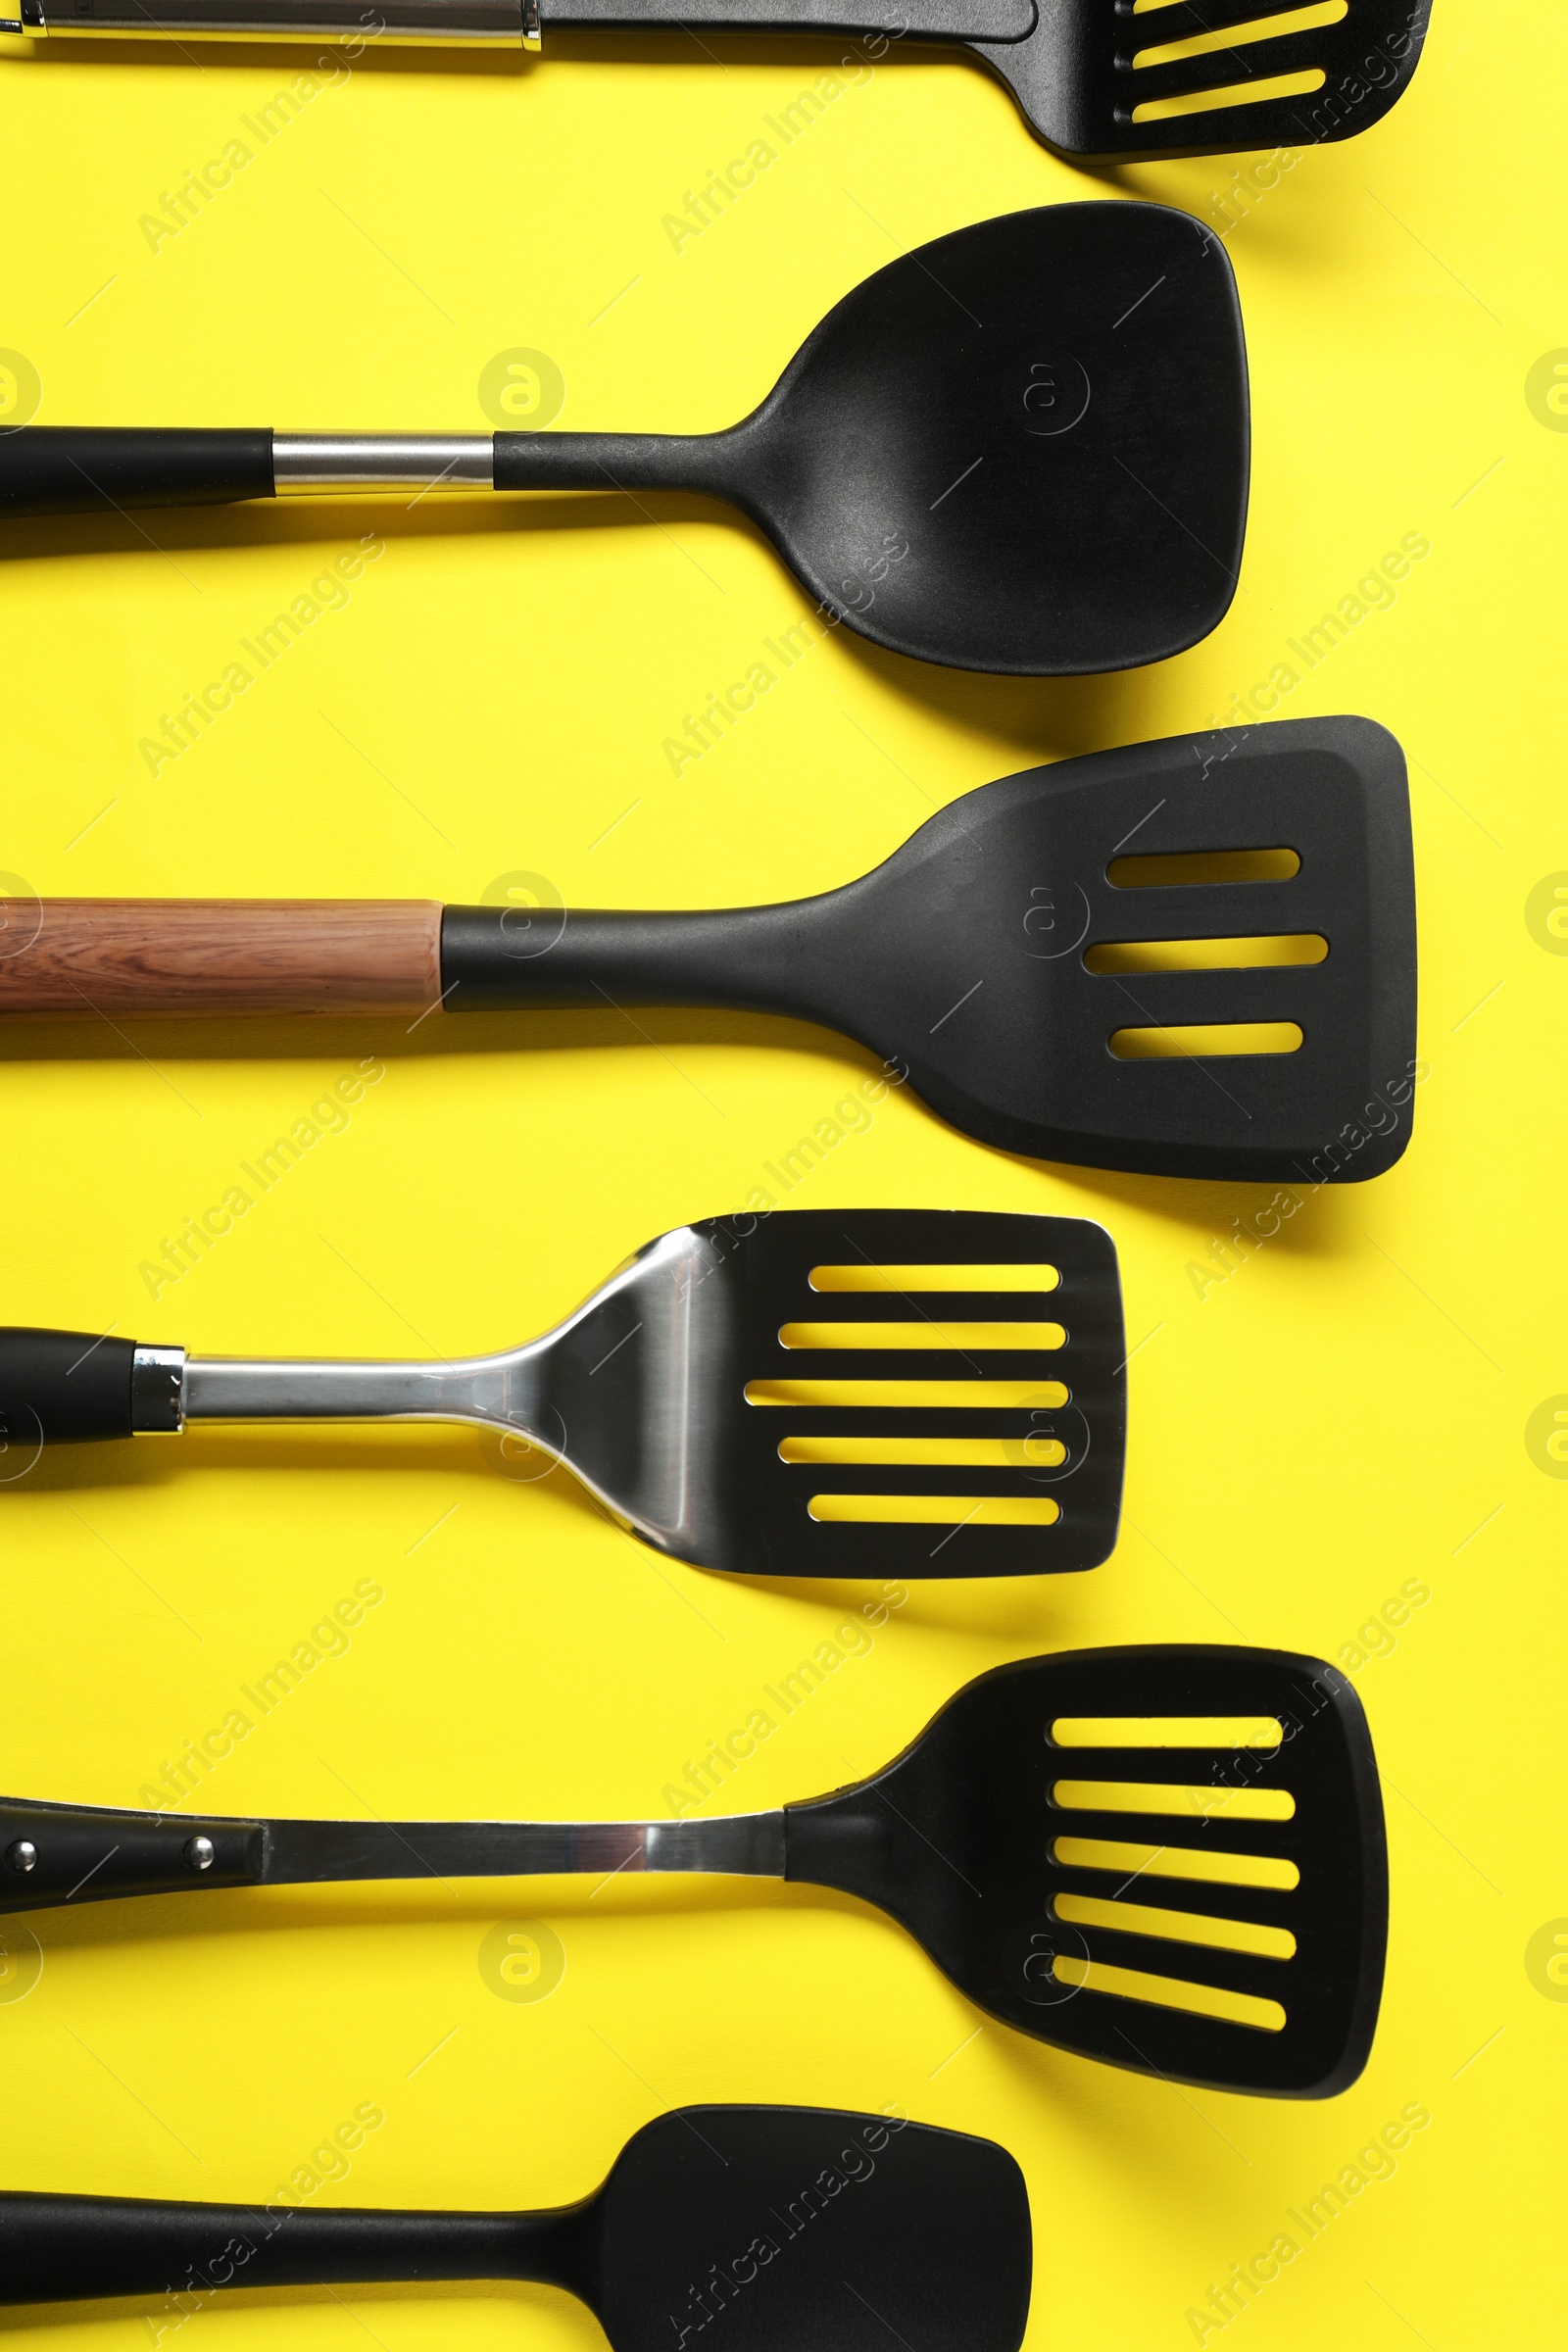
(354, 24)
(316, 465)
(158, 1391)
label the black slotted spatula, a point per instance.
(1090, 76)
(857, 1393)
(1192, 958)
(1169, 1859)
(1094, 79)
(799, 2226)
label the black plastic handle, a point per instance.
(62, 1386)
(56, 1854)
(80, 469)
(751, 958)
(621, 462)
(911, 20)
(59, 2249)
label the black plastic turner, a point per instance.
(1088, 75)
(1023, 447)
(856, 1392)
(1170, 1859)
(803, 2227)
(1092, 78)
(1194, 957)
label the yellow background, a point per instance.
(1346, 1413)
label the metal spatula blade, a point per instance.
(803, 2227)
(1171, 1859)
(1094, 79)
(864, 1393)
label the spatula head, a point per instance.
(1009, 956)
(856, 1392)
(1171, 1859)
(1089, 68)
(803, 2230)
(1021, 448)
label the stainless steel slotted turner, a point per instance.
(1091, 78)
(1170, 1859)
(814, 1392)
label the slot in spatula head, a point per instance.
(788, 2227)
(860, 1392)
(1171, 1859)
(1192, 958)
(1095, 78)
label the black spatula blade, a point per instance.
(1022, 448)
(1129, 1848)
(801, 2230)
(1090, 67)
(970, 956)
(1004, 1358)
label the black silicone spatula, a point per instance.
(1023, 447)
(1194, 957)
(1171, 1859)
(859, 1392)
(1090, 77)
(1103, 79)
(797, 2227)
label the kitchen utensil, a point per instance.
(802, 2225)
(1023, 447)
(860, 1393)
(1090, 78)
(1093, 78)
(1194, 957)
(1171, 1859)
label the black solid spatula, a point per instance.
(802, 2228)
(1194, 957)
(1171, 1859)
(1023, 447)
(1091, 78)
(853, 1393)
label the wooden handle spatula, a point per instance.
(1194, 957)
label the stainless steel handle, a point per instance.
(496, 24)
(493, 1391)
(306, 465)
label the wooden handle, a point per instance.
(141, 956)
